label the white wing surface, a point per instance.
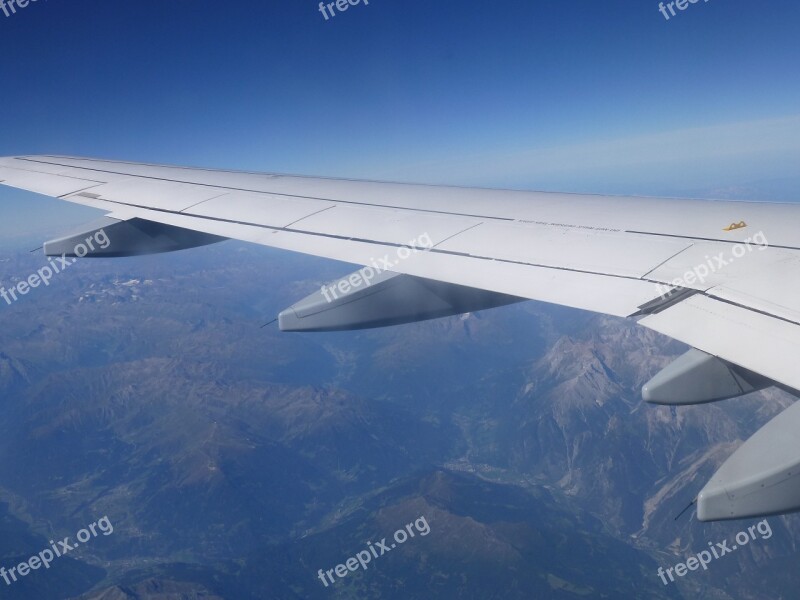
(721, 276)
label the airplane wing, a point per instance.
(721, 276)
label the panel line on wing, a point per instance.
(135, 164)
(662, 263)
(300, 196)
(705, 239)
(202, 202)
(448, 238)
(750, 308)
(322, 210)
(35, 172)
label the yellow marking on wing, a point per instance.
(734, 226)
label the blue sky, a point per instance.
(558, 94)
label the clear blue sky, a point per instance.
(573, 95)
